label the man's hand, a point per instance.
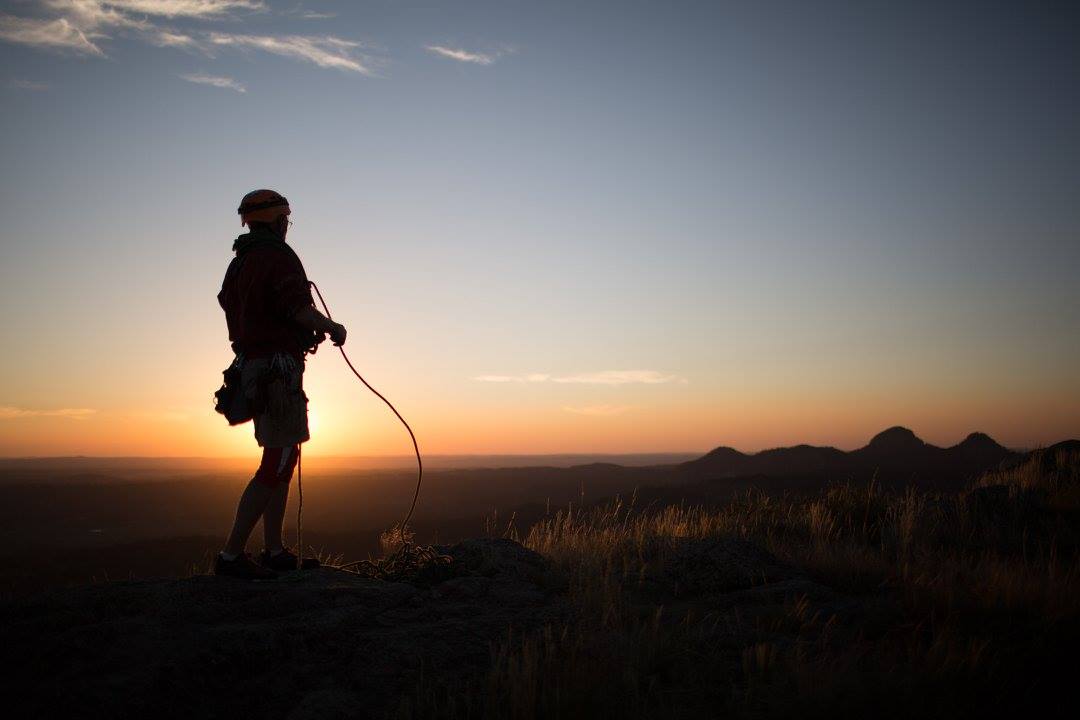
(337, 333)
(315, 321)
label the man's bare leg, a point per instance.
(274, 517)
(269, 487)
(252, 505)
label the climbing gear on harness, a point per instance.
(229, 400)
(262, 206)
(233, 401)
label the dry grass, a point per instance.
(963, 604)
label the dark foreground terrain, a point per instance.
(316, 644)
(849, 600)
(331, 644)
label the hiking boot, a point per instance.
(242, 567)
(285, 561)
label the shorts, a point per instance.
(275, 385)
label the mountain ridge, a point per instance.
(893, 455)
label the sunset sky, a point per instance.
(549, 226)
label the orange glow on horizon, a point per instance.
(368, 428)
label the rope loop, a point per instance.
(405, 543)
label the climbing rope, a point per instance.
(408, 558)
(403, 564)
(300, 506)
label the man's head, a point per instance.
(265, 209)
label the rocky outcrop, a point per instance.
(316, 644)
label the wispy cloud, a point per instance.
(27, 85)
(79, 26)
(9, 412)
(533, 377)
(216, 81)
(620, 377)
(304, 14)
(184, 8)
(464, 56)
(92, 15)
(598, 410)
(604, 377)
(164, 38)
(326, 52)
(59, 34)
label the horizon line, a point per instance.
(406, 456)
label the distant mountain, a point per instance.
(895, 455)
(895, 440)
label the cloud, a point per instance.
(80, 23)
(620, 377)
(532, 377)
(91, 15)
(164, 38)
(184, 8)
(214, 80)
(58, 34)
(326, 52)
(304, 14)
(27, 85)
(9, 412)
(604, 377)
(598, 410)
(462, 55)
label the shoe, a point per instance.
(285, 561)
(242, 567)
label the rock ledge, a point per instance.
(318, 644)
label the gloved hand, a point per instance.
(316, 322)
(337, 334)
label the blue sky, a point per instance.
(780, 222)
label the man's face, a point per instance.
(283, 225)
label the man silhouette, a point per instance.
(272, 323)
